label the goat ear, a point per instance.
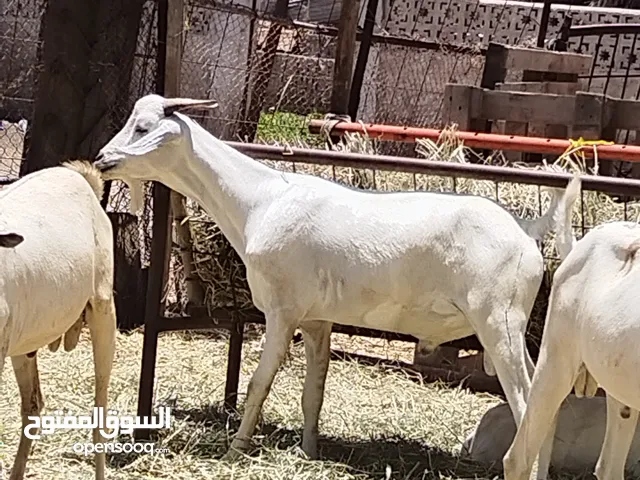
(10, 240)
(172, 105)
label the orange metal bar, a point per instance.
(491, 141)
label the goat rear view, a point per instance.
(59, 272)
(592, 326)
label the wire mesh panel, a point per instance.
(83, 84)
(254, 66)
(141, 74)
(19, 65)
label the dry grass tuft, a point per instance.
(373, 418)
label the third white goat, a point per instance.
(592, 327)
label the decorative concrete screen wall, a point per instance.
(406, 85)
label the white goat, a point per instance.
(436, 266)
(56, 268)
(592, 330)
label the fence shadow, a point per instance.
(408, 459)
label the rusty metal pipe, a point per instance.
(610, 185)
(491, 141)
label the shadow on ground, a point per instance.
(408, 459)
(206, 433)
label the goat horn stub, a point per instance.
(172, 105)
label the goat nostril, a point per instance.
(99, 156)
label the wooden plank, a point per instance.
(590, 113)
(555, 131)
(345, 52)
(544, 76)
(527, 107)
(591, 109)
(515, 128)
(474, 380)
(557, 88)
(608, 133)
(520, 58)
(461, 104)
(625, 114)
(635, 166)
(495, 70)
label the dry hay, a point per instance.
(373, 417)
(224, 276)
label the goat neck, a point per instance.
(229, 185)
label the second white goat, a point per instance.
(433, 265)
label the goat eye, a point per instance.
(141, 130)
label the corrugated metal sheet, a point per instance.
(297, 9)
(326, 12)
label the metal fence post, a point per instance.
(170, 26)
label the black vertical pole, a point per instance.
(544, 23)
(363, 58)
(159, 248)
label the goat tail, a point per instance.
(91, 174)
(565, 239)
(561, 204)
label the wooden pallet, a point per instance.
(583, 114)
(535, 71)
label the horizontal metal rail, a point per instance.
(604, 29)
(610, 185)
(492, 141)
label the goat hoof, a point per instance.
(232, 455)
(237, 448)
(310, 450)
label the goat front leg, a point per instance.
(101, 318)
(621, 428)
(279, 332)
(26, 371)
(317, 344)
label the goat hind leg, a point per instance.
(26, 372)
(621, 427)
(552, 382)
(279, 332)
(503, 340)
(317, 343)
(101, 318)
